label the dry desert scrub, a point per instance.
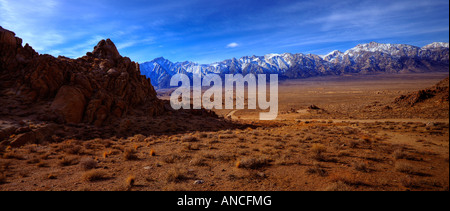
(317, 169)
(361, 166)
(408, 169)
(67, 161)
(318, 148)
(88, 164)
(198, 161)
(52, 176)
(252, 163)
(189, 138)
(129, 182)
(152, 153)
(176, 175)
(130, 154)
(94, 175)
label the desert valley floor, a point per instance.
(332, 134)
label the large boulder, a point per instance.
(70, 103)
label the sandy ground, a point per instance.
(351, 143)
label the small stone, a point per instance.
(199, 182)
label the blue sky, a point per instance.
(206, 31)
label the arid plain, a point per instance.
(332, 134)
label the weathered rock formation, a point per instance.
(44, 99)
(94, 89)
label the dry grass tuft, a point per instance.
(72, 149)
(172, 158)
(317, 169)
(67, 161)
(94, 175)
(176, 175)
(361, 166)
(129, 182)
(318, 148)
(88, 163)
(107, 153)
(403, 168)
(252, 163)
(198, 161)
(152, 153)
(51, 176)
(130, 154)
(189, 138)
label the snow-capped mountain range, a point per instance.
(364, 58)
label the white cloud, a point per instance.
(232, 45)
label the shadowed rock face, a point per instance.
(93, 89)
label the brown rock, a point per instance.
(22, 139)
(106, 50)
(70, 103)
(7, 37)
(38, 136)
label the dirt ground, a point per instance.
(355, 139)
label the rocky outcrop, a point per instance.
(44, 99)
(99, 87)
(438, 94)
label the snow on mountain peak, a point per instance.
(437, 45)
(270, 56)
(336, 54)
(305, 65)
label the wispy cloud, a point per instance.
(135, 42)
(26, 18)
(233, 45)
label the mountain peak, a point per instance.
(437, 45)
(159, 59)
(336, 54)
